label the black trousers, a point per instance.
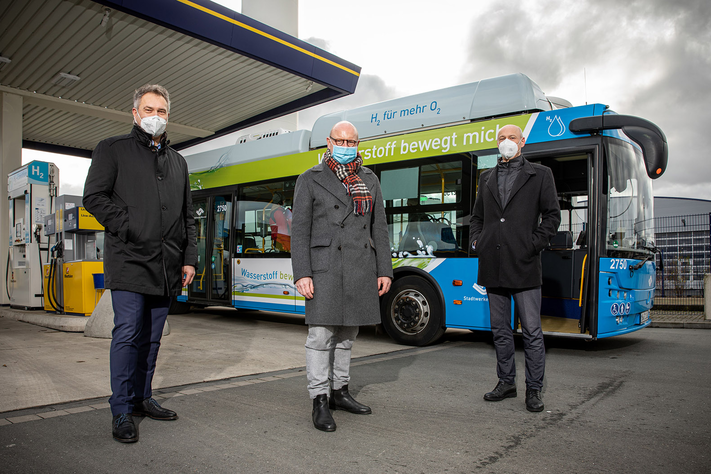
(528, 307)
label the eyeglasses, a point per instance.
(343, 142)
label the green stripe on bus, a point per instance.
(260, 295)
(407, 146)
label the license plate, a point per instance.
(644, 317)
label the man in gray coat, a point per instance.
(515, 215)
(340, 253)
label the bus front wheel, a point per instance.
(411, 312)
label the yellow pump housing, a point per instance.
(80, 296)
(45, 285)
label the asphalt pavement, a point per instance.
(633, 403)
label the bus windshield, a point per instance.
(630, 208)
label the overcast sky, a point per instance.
(650, 58)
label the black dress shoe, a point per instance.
(124, 429)
(150, 408)
(533, 400)
(342, 400)
(501, 391)
(321, 415)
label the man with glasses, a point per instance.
(340, 253)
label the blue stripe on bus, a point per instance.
(627, 330)
(279, 308)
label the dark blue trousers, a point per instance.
(138, 327)
(528, 309)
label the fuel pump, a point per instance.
(76, 257)
(83, 259)
(31, 189)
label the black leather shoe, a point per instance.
(124, 429)
(501, 391)
(150, 408)
(533, 400)
(342, 400)
(321, 415)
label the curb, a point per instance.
(681, 324)
(39, 412)
(60, 322)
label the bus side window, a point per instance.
(425, 206)
(263, 222)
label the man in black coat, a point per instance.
(138, 189)
(515, 215)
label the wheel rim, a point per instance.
(410, 312)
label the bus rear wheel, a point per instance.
(411, 312)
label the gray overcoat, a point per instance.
(343, 252)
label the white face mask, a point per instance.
(508, 149)
(153, 125)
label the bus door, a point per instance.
(565, 307)
(262, 277)
(213, 276)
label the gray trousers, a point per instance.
(328, 357)
(528, 309)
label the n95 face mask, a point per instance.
(153, 125)
(508, 149)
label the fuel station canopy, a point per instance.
(76, 63)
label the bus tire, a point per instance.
(411, 312)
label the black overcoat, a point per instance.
(343, 252)
(509, 240)
(141, 195)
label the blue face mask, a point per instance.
(344, 154)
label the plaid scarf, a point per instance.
(348, 174)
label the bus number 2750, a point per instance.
(618, 264)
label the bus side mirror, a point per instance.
(644, 133)
(654, 148)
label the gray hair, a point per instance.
(150, 88)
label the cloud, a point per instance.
(369, 90)
(71, 189)
(540, 39)
(649, 58)
(319, 43)
(677, 98)
(668, 188)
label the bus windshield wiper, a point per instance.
(653, 251)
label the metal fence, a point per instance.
(684, 243)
